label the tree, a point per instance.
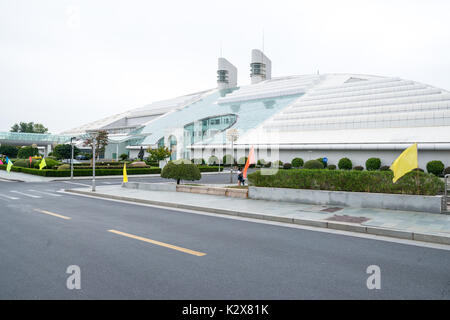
(64, 151)
(9, 151)
(29, 127)
(26, 152)
(181, 172)
(101, 141)
(158, 154)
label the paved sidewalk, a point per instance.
(399, 224)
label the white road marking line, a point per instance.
(26, 195)
(8, 197)
(47, 193)
(104, 182)
(80, 184)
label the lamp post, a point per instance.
(232, 135)
(71, 158)
(94, 141)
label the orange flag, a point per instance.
(250, 160)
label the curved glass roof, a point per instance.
(250, 113)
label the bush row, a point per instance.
(351, 180)
(435, 167)
(98, 172)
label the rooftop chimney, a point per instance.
(226, 74)
(261, 67)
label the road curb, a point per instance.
(353, 227)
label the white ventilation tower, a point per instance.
(226, 74)
(261, 67)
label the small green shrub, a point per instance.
(50, 163)
(277, 164)
(373, 164)
(22, 163)
(261, 163)
(447, 171)
(325, 164)
(331, 167)
(313, 164)
(287, 165)
(181, 172)
(385, 168)
(345, 164)
(182, 161)
(228, 160)
(297, 162)
(268, 164)
(358, 168)
(123, 156)
(242, 161)
(199, 161)
(213, 161)
(435, 167)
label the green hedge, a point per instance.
(82, 172)
(350, 180)
(98, 172)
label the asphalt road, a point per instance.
(182, 255)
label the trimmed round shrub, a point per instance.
(313, 164)
(359, 168)
(213, 161)
(181, 172)
(64, 167)
(447, 170)
(325, 164)
(435, 167)
(345, 164)
(50, 163)
(297, 162)
(242, 160)
(385, 168)
(261, 163)
(22, 163)
(331, 167)
(199, 161)
(268, 164)
(179, 161)
(373, 164)
(287, 165)
(228, 160)
(277, 164)
(123, 156)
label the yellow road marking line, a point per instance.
(162, 244)
(52, 214)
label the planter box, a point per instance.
(403, 202)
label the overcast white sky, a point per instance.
(68, 62)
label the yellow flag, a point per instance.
(9, 165)
(406, 162)
(42, 164)
(125, 177)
